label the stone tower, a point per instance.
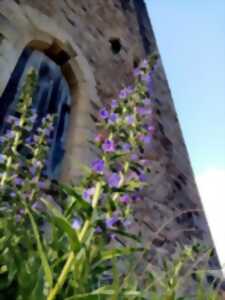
(96, 44)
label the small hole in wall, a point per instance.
(136, 62)
(115, 45)
(84, 8)
(158, 112)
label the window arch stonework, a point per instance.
(48, 38)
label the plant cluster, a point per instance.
(67, 241)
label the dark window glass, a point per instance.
(51, 96)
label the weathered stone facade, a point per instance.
(101, 41)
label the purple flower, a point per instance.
(28, 140)
(98, 138)
(113, 118)
(125, 199)
(137, 72)
(144, 64)
(18, 181)
(98, 165)
(147, 78)
(151, 129)
(47, 131)
(130, 119)
(98, 229)
(142, 111)
(114, 103)
(42, 184)
(88, 193)
(114, 180)
(124, 93)
(37, 164)
(12, 194)
(108, 146)
(76, 223)
(2, 158)
(142, 177)
(136, 197)
(146, 139)
(33, 118)
(111, 222)
(12, 119)
(126, 147)
(147, 101)
(134, 157)
(32, 170)
(10, 134)
(2, 139)
(103, 113)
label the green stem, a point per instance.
(62, 278)
(67, 267)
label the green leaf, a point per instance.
(61, 222)
(44, 260)
(65, 226)
(77, 202)
(126, 234)
(117, 252)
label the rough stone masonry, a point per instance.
(97, 43)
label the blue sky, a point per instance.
(191, 39)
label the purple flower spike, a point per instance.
(114, 103)
(108, 146)
(76, 224)
(111, 222)
(114, 180)
(88, 193)
(125, 199)
(103, 113)
(98, 165)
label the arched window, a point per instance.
(52, 96)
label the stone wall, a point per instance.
(104, 40)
